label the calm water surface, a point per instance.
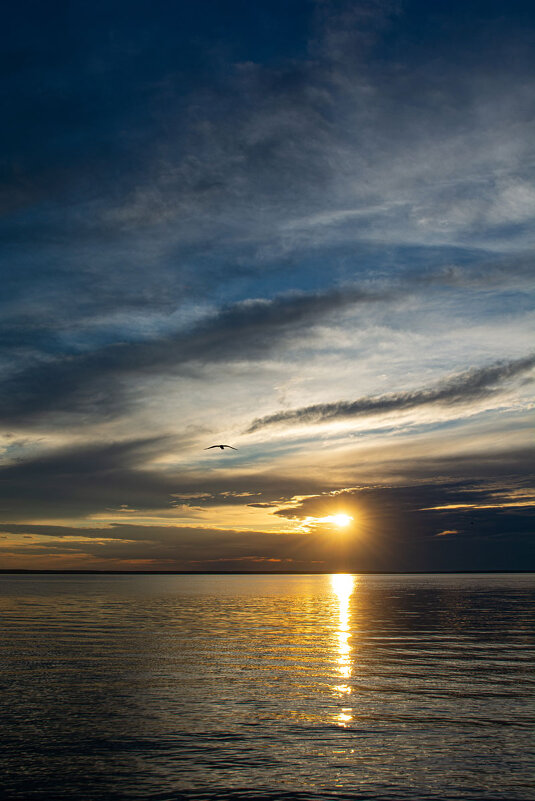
(276, 687)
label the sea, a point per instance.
(303, 687)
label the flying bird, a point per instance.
(220, 446)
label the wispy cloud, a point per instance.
(88, 382)
(470, 385)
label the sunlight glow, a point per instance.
(343, 718)
(341, 520)
(343, 586)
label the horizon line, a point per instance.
(25, 571)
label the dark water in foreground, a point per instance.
(279, 687)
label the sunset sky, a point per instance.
(304, 229)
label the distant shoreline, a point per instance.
(254, 572)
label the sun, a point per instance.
(342, 520)
(339, 520)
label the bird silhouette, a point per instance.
(220, 446)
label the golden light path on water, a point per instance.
(343, 586)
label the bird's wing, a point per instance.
(211, 446)
(230, 446)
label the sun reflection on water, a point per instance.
(343, 586)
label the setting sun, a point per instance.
(339, 520)
(342, 520)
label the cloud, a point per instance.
(324, 194)
(100, 381)
(86, 478)
(101, 478)
(394, 528)
(89, 382)
(471, 385)
(259, 172)
(182, 546)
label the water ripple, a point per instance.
(267, 687)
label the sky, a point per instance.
(304, 229)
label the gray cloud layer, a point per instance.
(468, 386)
(88, 381)
(259, 158)
(84, 480)
(92, 381)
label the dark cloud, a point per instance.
(395, 528)
(472, 385)
(508, 467)
(223, 153)
(84, 479)
(99, 381)
(89, 382)
(87, 479)
(183, 547)
(88, 459)
(430, 502)
(484, 497)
